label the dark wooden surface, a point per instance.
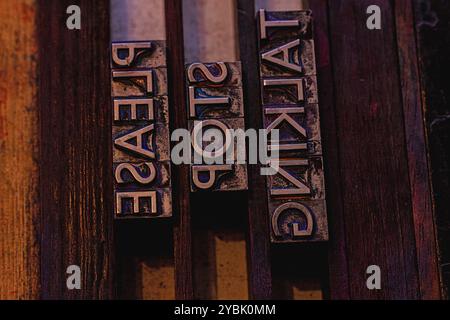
(433, 32)
(258, 245)
(379, 207)
(180, 174)
(424, 223)
(338, 268)
(143, 246)
(75, 151)
(375, 183)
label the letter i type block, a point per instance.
(140, 130)
(296, 193)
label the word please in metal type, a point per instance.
(141, 160)
(296, 194)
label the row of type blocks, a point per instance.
(296, 192)
(140, 130)
(141, 152)
(215, 102)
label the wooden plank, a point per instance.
(19, 151)
(299, 270)
(424, 223)
(144, 259)
(180, 174)
(259, 269)
(220, 253)
(76, 181)
(433, 36)
(337, 260)
(373, 160)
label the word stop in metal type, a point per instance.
(141, 145)
(296, 193)
(215, 102)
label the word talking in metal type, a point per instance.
(296, 194)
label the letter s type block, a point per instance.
(296, 193)
(140, 130)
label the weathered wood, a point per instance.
(177, 95)
(433, 35)
(424, 222)
(259, 270)
(144, 259)
(337, 260)
(219, 229)
(299, 271)
(19, 151)
(375, 181)
(75, 149)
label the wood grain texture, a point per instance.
(220, 254)
(375, 180)
(75, 177)
(299, 270)
(424, 222)
(180, 174)
(337, 252)
(432, 21)
(259, 268)
(144, 267)
(19, 151)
